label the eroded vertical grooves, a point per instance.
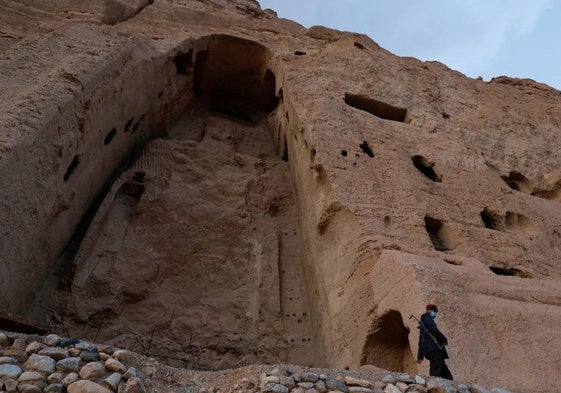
(233, 88)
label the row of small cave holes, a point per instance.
(356, 44)
(129, 127)
(433, 225)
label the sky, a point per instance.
(487, 38)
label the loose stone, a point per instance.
(357, 382)
(113, 380)
(55, 378)
(306, 385)
(133, 372)
(43, 364)
(66, 342)
(18, 354)
(287, 381)
(320, 386)
(463, 388)
(30, 377)
(419, 380)
(298, 390)
(415, 388)
(333, 384)
(391, 388)
(134, 385)
(33, 338)
(4, 340)
(69, 365)
(27, 388)
(93, 370)
(359, 389)
(34, 347)
(115, 365)
(89, 357)
(55, 353)
(269, 379)
(401, 386)
(8, 360)
(70, 379)
(52, 340)
(85, 346)
(121, 355)
(272, 388)
(310, 377)
(444, 386)
(297, 377)
(19, 343)
(103, 356)
(500, 390)
(54, 388)
(389, 379)
(9, 371)
(10, 385)
(106, 349)
(74, 352)
(323, 377)
(312, 390)
(84, 386)
(405, 378)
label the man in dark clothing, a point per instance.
(432, 344)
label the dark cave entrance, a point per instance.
(387, 345)
(233, 77)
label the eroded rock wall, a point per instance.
(375, 184)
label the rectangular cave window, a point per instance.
(377, 108)
(434, 229)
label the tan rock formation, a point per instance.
(203, 182)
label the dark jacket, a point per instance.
(426, 343)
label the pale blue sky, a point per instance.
(518, 38)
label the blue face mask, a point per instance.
(433, 314)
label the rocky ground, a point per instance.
(204, 179)
(54, 364)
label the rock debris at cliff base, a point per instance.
(210, 185)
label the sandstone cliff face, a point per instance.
(211, 185)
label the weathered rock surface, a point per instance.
(214, 186)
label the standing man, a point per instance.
(432, 344)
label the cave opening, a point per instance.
(387, 345)
(492, 219)
(518, 182)
(442, 236)
(377, 108)
(426, 168)
(509, 271)
(184, 63)
(366, 149)
(233, 76)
